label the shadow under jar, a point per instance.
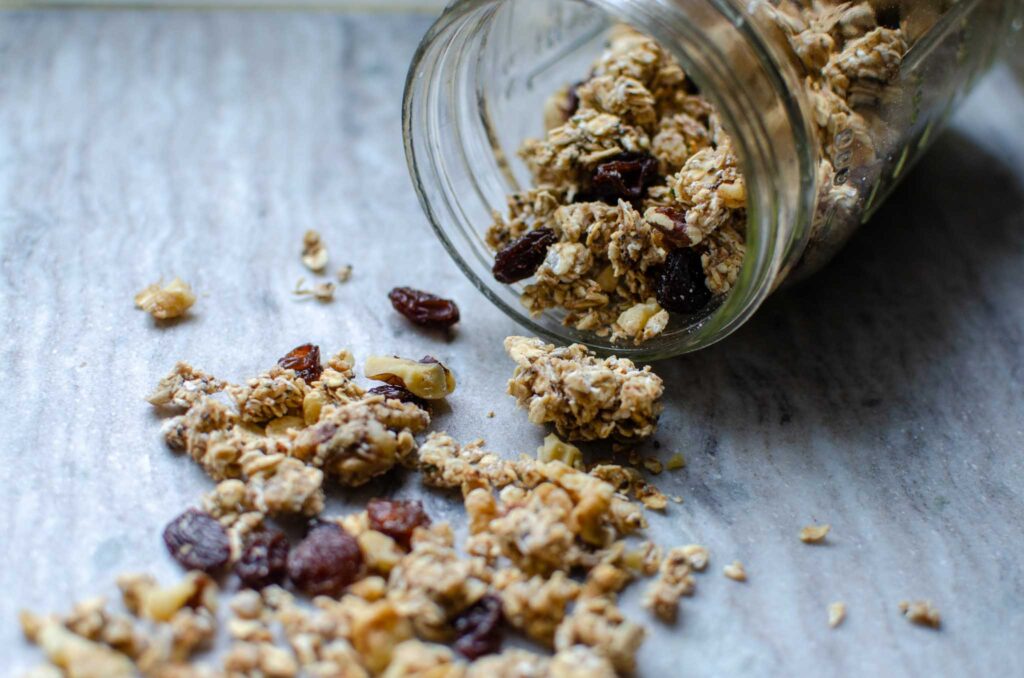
(823, 122)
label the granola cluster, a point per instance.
(634, 165)
(283, 431)
(586, 398)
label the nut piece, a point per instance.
(555, 449)
(196, 588)
(169, 301)
(836, 614)
(429, 380)
(80, 657)
(814, 534)
(314, 253)
(735, 571)
(921, 612)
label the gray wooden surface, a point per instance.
(884, 396)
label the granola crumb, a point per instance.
(322, 291)
(314, 252)
(344, 274)
(735, 571)
(814, 534)
(836, 614)
(490, 414)
(675, 462)
(653, 466)
(921, 612)
(164, 302)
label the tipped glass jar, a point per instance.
(647, 172)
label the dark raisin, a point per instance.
(397, 518)
(424, 308)
(197, 541)
(572, 100)
(395, 392)
(679, 285)
(671, 221)
(625, 177)
(478, 628)
(264, 561)
(522, 257)
(326, 561)
(305, 360)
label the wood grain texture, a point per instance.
(884, 396)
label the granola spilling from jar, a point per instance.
(637, 209)
(638, 205)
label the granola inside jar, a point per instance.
(639, 176)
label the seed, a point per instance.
(305, 360)
(397, 518)
(326, 561)
(626, 177)
(424, 308)
(264, 560)
(679, 284)
(522, 257)
(197, 541)
(478, 628)
(394, 392)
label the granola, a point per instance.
(814, 534)
(586, 398)
(635, 170)
(634, 164)
(314, 252)
(836, 614)
(164, 302)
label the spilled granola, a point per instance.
(164, 302)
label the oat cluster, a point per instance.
(586, 398)
(610, 244)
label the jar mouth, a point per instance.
(459, 160)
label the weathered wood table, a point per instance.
(885, 397)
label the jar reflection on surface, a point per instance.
(478, 87)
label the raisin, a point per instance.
(326, 561)
(424, 308)
(264, 561)
(522, 257)
(478, 628)
(572, 100)
(395, 392)
(397, 518)
(197, 541)
(625, 177)
(305, 360)
(679, 285)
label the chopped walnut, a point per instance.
(584, 397)
(167, 301)
(814, 534)
(921, 612)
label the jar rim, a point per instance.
(776, 233)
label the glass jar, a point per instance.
(480, 80)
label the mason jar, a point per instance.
(484, 73)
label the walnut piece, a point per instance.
(164, 302)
